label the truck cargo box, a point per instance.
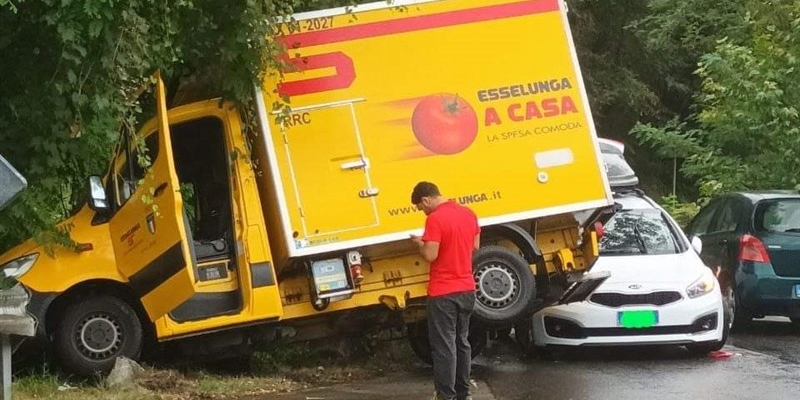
(483, 98)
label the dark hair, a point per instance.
(424, 189)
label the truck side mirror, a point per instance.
(98, 200)
(697, 244)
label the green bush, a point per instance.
(681, 212)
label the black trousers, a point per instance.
(448, 329)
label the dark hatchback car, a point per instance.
(754, 237)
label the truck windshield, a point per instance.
(634, 232)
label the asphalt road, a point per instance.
(774, 336)
(762, 362)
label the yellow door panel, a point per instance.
(150, 240)
(330, 171)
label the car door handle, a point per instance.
(723, 242)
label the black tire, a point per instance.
(421, 345)
(728, 316)
(505, 286)
(94, 332)
(523, 335)
(741, 317)
(705, 348)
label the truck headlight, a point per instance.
(702, 286)
(18, 267)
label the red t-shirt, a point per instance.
(454, 227)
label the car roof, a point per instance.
(620, 174)
(759, 195)
(634, 200)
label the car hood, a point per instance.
(683, 269)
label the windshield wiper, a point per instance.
(639, 239)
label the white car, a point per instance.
(658, 291)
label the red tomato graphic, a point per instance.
(444, 123)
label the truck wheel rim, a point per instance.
(497, 284)
(99, 336)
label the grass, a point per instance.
(280, 370)
(50, 386)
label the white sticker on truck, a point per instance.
(554, 158)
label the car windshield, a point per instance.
(634, 232)
(778, 216)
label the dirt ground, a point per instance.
(265, 373)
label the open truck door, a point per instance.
(151, 241)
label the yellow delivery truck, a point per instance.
(299, 229)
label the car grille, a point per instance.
(619, 299)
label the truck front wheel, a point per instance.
(505, 286)
(94, 332)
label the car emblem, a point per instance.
(634, 287)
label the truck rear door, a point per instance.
(329, 169)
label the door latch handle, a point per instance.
(369, 192)
(358, 164)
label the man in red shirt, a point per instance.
(451, 235)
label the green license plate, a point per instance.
(637, 319)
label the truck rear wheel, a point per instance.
(421, 345)
(94, 332)
(505, 286)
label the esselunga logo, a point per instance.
(444, 123)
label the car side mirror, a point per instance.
(697, 244)
(98, 199)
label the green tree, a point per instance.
(744, 132)
(74, 71)
(675, 34)
(628, 78)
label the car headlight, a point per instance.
(702, 286)
(18, 267)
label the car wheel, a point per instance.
(740, 317)
(705, 348)
(421, 345)
(727, 322)
(94, 332)
(505, 286)
(523, 335)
